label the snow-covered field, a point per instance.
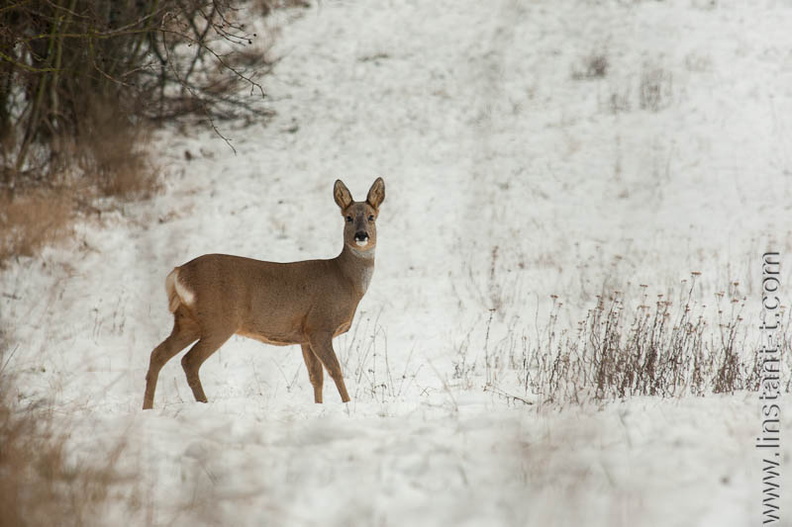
(516, 168)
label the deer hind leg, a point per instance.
(191, 362)
(315, 372)
(322, 346)
(184, 333)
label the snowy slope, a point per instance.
(511, 175)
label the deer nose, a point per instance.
(361, 237)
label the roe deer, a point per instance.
(217, 295)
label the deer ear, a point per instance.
(376, 194)
(341, 194)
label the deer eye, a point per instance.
(349, 219)
(371, 218)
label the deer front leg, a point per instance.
(322, 346)
(315, 372)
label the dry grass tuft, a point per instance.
(630, 343)
(33, 219)
(39, 485)
(662, 347)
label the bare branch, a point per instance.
(152, 59)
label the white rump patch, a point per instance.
(186, 296)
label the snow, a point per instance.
(509, 178)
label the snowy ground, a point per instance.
(513, 173)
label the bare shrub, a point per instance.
(81, 82)
(65, 63)
(106, 160)
(62, 56)
(111, 158)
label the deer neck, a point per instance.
(357, 266)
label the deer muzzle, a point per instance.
(361, 238)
